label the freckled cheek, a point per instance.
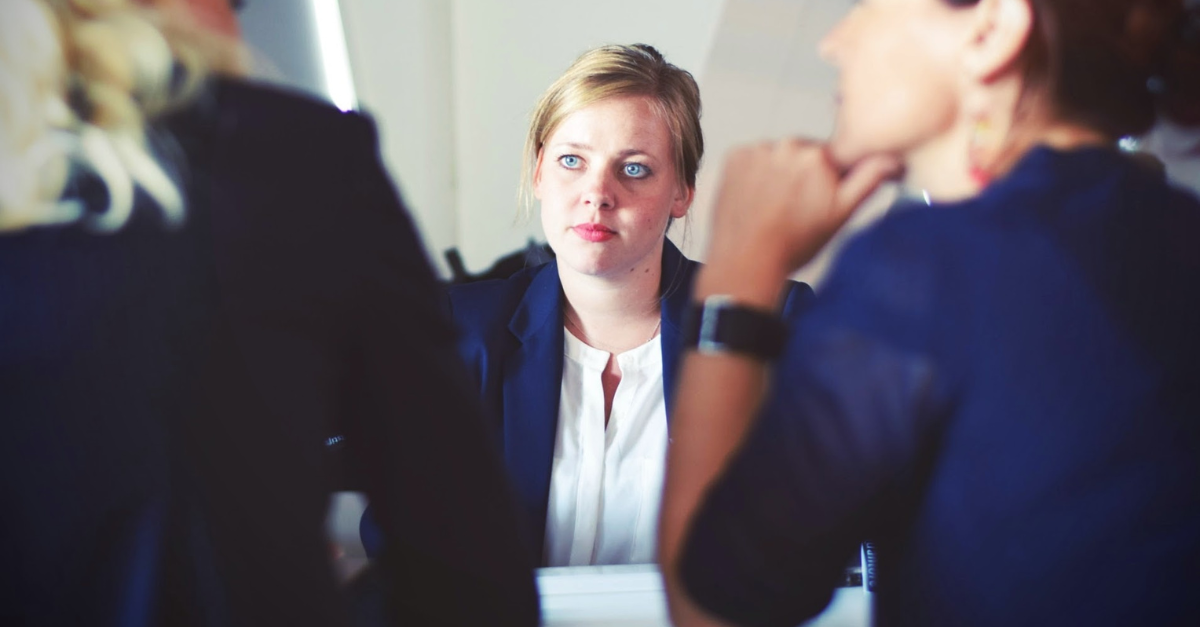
(650, 219)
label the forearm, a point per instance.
(717, 399)
(718, 395)
(778, 206)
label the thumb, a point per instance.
(863, 179)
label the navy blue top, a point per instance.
(165, 397)
(1002, 395)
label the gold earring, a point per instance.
(982, 135)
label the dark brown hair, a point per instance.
(1115, 65)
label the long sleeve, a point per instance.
(842, 431)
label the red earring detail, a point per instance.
(979, 175)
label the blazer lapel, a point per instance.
(532, 383)
(676, 290)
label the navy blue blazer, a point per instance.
(165, 397)
(1003, 395)
(512, 342)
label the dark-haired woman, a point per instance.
(999, 389)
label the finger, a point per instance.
(863, 179)
(798, 142)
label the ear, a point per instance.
(998, 36)
(683, 202)
(537, 176)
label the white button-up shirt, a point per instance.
(606, 483)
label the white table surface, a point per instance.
(588, 596)
(632, 596)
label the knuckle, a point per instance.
(739, 154)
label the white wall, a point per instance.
(506, 54)
(282, 38)
(400, 53)
(451, 83)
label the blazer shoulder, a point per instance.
(486, 306)
(283, 121)
(800, 296)
(271, 101)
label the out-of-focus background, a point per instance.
(451, 84)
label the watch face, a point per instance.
(710, 322)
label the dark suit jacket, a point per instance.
(166, 395)
(512, 342)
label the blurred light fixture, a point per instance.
(335, 59)
(1129, 143)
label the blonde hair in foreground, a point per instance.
(80, 80)
(612, 72)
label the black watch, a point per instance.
(719, 325)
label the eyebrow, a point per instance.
(624, 153)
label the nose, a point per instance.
(829, 45)
(600, 189)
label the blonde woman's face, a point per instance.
(607, 185)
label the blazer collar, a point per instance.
(533, 376)
(542, 303)
(540, 306)
(676, 290)
(532, 384)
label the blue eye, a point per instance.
(569, 161)
(636, 170)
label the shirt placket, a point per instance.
(591, 470)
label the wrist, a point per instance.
(754, 284)
(719, 324)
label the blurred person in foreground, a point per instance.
(200, 279)
(999, 388)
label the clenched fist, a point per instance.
(781, 202)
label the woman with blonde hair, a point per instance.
(576, 358)
(200, 280)
(997, 389)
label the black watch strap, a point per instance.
(719, 325)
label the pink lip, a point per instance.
(594, 232)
